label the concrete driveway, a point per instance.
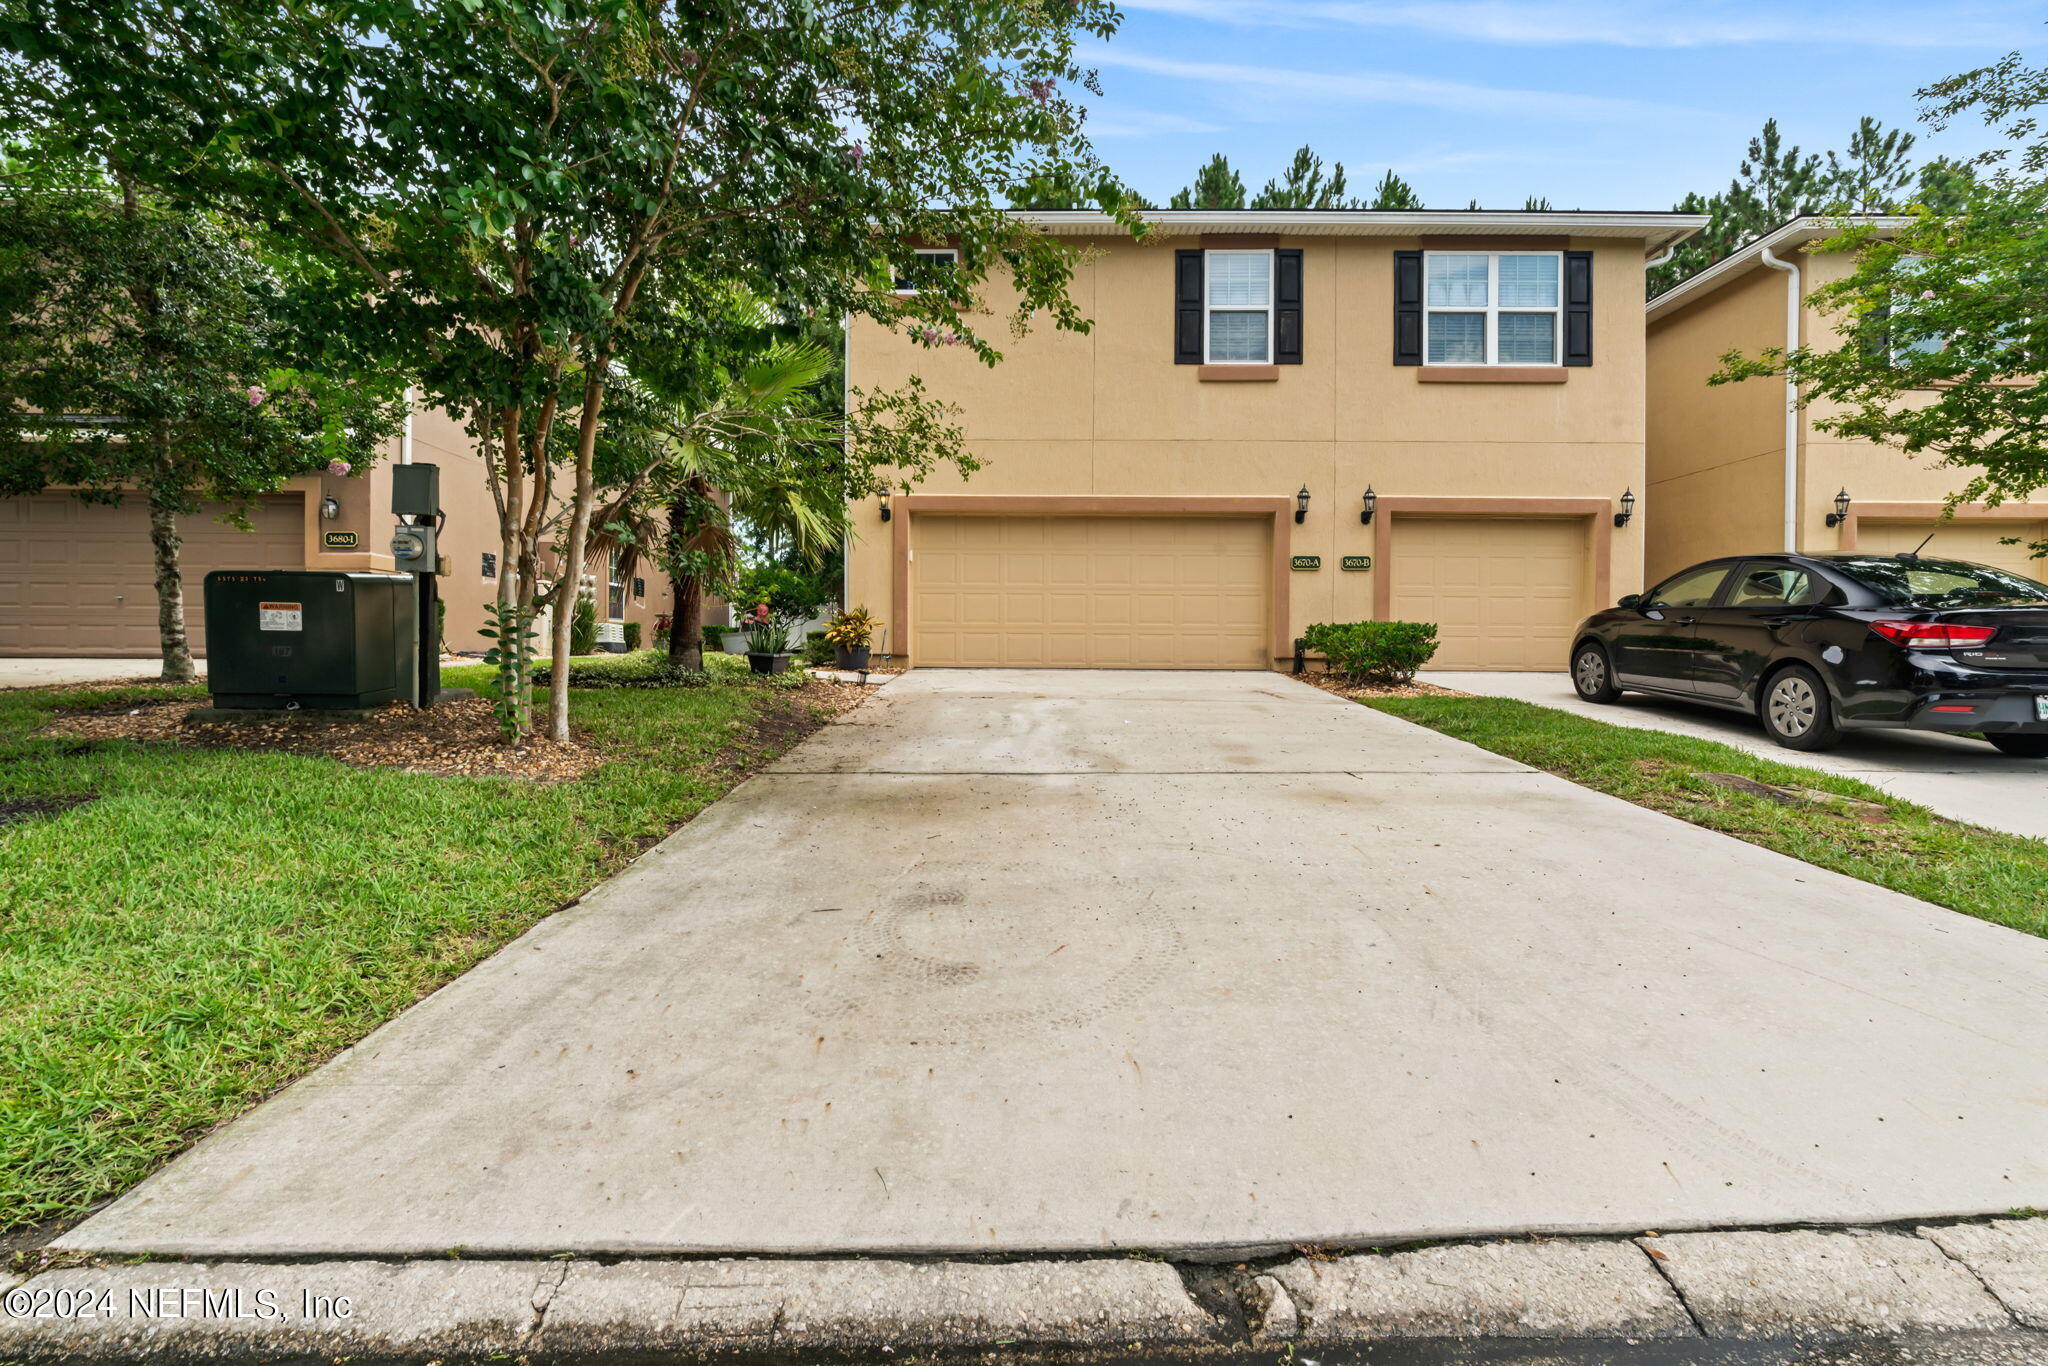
(48, 673)
(1965, 780)
(1022, 960)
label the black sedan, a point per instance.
(1813, 645)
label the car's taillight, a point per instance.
(1933, 635)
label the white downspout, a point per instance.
(405, 436)
(1793, 301)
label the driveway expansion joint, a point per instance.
(1981, 1278)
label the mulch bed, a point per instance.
(456, 739)
(1344, 687)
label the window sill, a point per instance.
(1211, 374)
(1491, 374)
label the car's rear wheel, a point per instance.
(1797, 712)
(1593, 675)
(2021, 746)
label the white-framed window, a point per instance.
(615, 601)
(1237, 307)
(1492, 307)
(928, 258)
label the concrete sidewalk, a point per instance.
(1205, 964)
(48, 673)
(1965, 780)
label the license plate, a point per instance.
(2041, 709)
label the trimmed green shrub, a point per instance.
(583, 628)
(632, 636)
(817, 649)
(714, 639)
(1373, 651)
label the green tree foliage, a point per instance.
(1395, 193)
(1535, 203)
(1216, 187)
(1942, 325)
(521, 201)
(1776, 181)
(144, 351)
(1304, 186)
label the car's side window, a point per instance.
(1773, 585)
(1694, 588)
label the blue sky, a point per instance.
(1598, 104)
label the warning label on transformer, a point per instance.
(280, 616)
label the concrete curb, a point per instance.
(1960, 1280)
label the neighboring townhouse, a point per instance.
(1282, 418)
(76, 579)
(1729, 474)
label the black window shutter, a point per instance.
(1287, 306)
(1578, 308)
(1407, 308)
(1187, 307)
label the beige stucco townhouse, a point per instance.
(1282, 418)
(1736, 469)
(76, 578)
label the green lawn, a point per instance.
(1985, 873)
(217, 922)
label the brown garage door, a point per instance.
(1091, 592)
(1504, 593)
(1977, 542)
(76, 579)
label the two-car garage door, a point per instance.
(1083, 592)
(1977, 542)
(78, 578)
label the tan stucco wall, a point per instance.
(1716, 454)
(1109, 413)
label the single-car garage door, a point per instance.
(1977, 542)
(1077, 592)
(78, 578)
(1504, 593)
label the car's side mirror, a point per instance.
(1630, 600)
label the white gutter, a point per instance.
(1794, 300)
(1661, 258)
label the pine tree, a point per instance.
(1395, 193)
(1535, 203)
(1216, 187)
(1875, 172)
(1303, 186)
(1943, 186)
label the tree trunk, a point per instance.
(571, 588)
(170, 591)
(686, 626)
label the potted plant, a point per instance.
(852, 634)
(767, 642)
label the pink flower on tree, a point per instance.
(339, 468)
(256, 395)
(761, 612)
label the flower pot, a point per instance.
(735, 642)
(768, 664)
(850, 656)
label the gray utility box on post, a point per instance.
(318, 639)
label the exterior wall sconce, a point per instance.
(1628, 507)
(330, 508)
(886, 514)
(1372, 507)
(1301, 506)
(1841, 512)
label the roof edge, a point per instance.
(1657, 229)
(1791, 233)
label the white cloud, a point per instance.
(1561, 22)
(1108, 121)
(1369, 87)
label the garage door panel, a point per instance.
(78, 579)
(1091, 592)
(1504, 593)
(1977, 542)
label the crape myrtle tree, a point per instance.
(1942, 346)
(145, 352)
(505, 187)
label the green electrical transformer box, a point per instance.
(319, 639)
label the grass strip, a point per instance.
(1989, 874)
